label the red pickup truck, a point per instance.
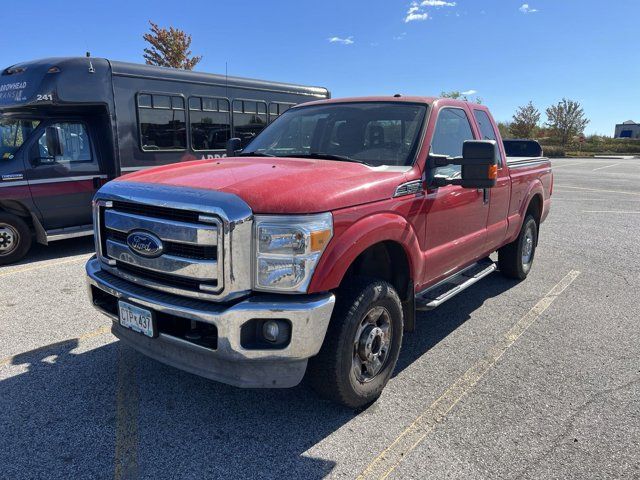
(312, 249)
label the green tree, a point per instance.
(169, 48)
(525, 121)
(505, 129)
(566, 119)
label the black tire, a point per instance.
(333, 373)
(511, 257)
(15, 238)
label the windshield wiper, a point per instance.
(328, 156)
(255, 154)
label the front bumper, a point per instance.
(229, 362)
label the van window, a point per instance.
(452, 129)
(249, 118)
(209, 122)
(487, 131)
(74, 141)
(162, 122)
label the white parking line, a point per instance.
(606, 166)
(567, 165)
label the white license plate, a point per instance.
(136, 318)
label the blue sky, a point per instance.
(508, 51)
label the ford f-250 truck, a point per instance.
(312, 249)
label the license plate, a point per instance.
(136, 318)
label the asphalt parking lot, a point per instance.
(538, 379)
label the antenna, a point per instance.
(226, 79)
(88, 54)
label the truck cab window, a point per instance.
(74, 143)
(452, 129)
(13, 133)
(249, 118)
(487, 131)
(162, 122)
(209, 123)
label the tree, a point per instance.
(169, 48)
(456, 95)
(566, 119)
(525, 121)
(505, 129)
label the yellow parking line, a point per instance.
(95, 333)
(37, 267)
(423, 425)
(622, 192)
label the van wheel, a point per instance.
(15, 238)
(362, 344)
(516, 258)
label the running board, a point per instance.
(72, 232)
(448, 288)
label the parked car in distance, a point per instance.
(311, 250)
(68, 125)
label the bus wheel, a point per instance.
(15, 238)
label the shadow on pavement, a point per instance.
(59, 418)
(60, 249)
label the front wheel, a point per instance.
(362, 344)
(516, 258)
(15, 238)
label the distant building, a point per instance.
(628, 129)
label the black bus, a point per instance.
(68, 125)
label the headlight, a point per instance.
(287, 249)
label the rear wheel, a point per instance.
(15, 238)
(516, 258)
(362, 344)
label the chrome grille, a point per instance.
(206, 238)
(189, 262)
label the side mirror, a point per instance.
(234, 146)
(478, 162)
(479, 165)
(54, 146)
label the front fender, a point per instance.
(345, 247)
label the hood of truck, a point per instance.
(281, 185)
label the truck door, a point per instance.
(456, 223)
(63, 183)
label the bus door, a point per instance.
(64, 173)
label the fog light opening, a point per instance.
(270, 331)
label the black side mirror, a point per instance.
(234, 146)
(54, 146)
(479, 163)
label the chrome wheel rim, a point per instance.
(8, 239)
(372, 344)
(527, 247)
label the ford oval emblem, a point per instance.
(145, 244)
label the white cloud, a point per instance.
(437, 3)
(525, 8)
(469, 92)
(401, 36)
(418, 11)
(344, 41)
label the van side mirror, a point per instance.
(54, 145)
(234, 146)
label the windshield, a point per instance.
(375, 133)
(13, 133)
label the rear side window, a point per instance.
(210, 123)
(277, 109)
(486, 129)
(452, 129)
(249, 118)
(162, 122)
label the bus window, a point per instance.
(249, 118)
(209, 123)
(277, 109)
(162, 122)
